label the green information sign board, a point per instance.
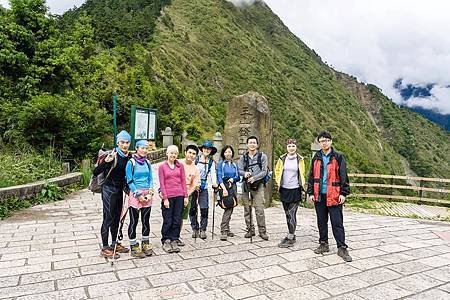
(143, 124)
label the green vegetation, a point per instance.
(26, 166)
(186, 58)
(424, 144)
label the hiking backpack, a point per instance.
(96, 182)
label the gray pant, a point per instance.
(226, 217)
(258, 204)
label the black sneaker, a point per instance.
(249, 234)
(203, 234)
(286, 243)
(223, 236)
(342, 252)
(264, 236)
(323, 247)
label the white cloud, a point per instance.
(378, 41)
(56, 6)
(439, 101)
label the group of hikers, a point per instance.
(184, 192)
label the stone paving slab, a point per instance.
(51, 251)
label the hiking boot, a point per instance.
(203, 234)
(264, 236)
(323, 247)
(180, 243)
(147, 248)
(249, 234)
(342, 252)
(136, 251)
(108, 252)
(121, 249)
(223, 236)
(175, 248)
(230, 234)
(167, 246)
(195, 234)
(286, 243)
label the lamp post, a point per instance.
(115, 117)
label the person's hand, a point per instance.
(250, 179)
(141, 198)
(166, 203)
(230, 180)
(214, 186)
(186, 201)
(225, 192)
(341, 199)
(311, 198)
(110, 157)
(151, 192)
(247, 174)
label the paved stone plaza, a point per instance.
(52, 252)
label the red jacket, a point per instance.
(337, 179)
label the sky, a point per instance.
(379, 42)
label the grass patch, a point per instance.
(30, 166)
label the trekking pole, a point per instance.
(214, 210)
(250, 203)
(119, 237)
(196, 212)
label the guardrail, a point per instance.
(419, 186)
(31, 189)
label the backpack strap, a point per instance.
(259, 160)
(133, 165)
(246, 162)
(210, 162)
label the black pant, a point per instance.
(290, 209)
(134, 219)
(171, 226)
(337, 221)
(112, 198)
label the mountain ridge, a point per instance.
(200, 54)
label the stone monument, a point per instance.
(249, 115)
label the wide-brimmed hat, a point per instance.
(209, 145)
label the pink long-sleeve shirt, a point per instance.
(172, 181)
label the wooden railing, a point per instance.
(419, 186)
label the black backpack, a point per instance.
(229, 201)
